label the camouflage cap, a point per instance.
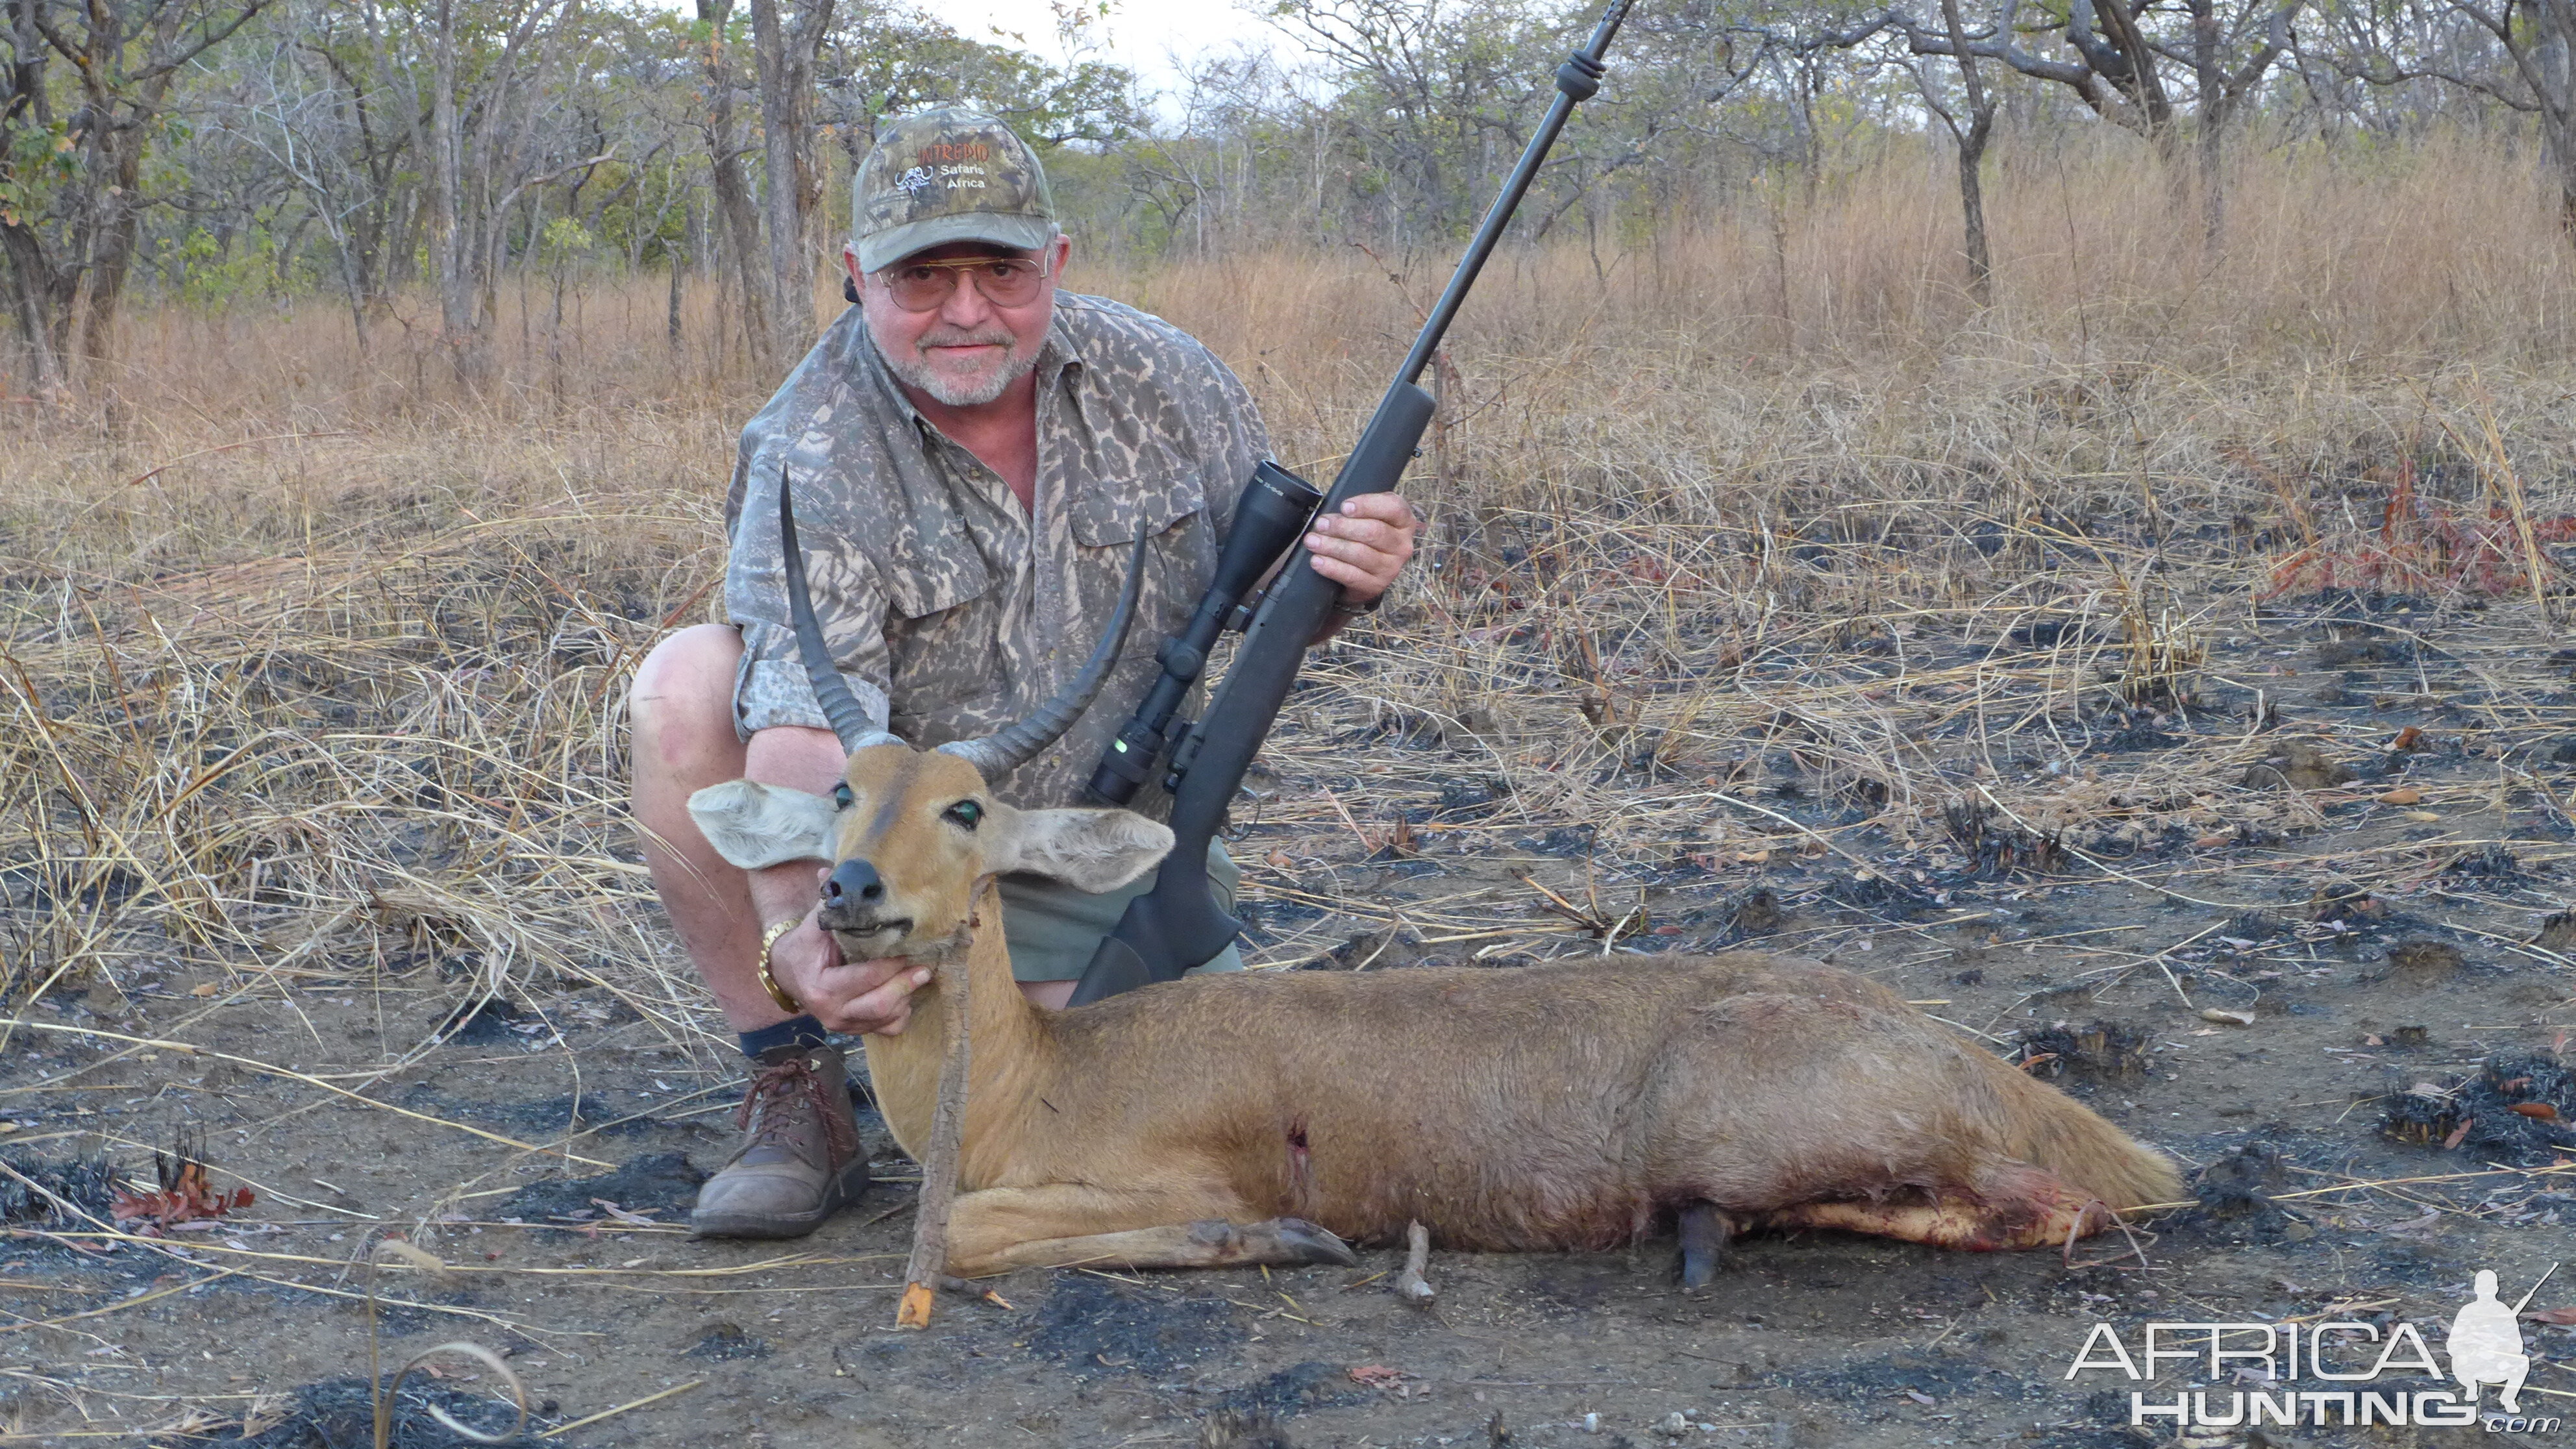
(945, 175)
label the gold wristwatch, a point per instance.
(768, 982)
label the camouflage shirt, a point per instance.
(949, 609)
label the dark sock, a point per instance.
(802, 1031)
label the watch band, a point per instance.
(768, 982)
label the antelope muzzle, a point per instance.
(855, 909)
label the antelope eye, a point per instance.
(965, 812)
(842, 799)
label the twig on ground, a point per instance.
(939, 1164)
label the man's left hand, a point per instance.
(1364, 546)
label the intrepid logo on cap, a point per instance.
(948, 174)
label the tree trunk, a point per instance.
(31, 273)
(2553, 81)
(113, 250)
(1972, 155)
(790, 185)
(733, 195)
(2213, 120)
(33, 311)
(671, 323)
(461, 312)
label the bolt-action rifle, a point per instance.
(1178, 925)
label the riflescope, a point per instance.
(1267, 522)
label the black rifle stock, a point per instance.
(1177, 924)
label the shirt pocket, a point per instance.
(1107, 511)
(1166, 497)
(925, 558)
(942, 625)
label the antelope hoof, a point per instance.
(1704, 1233)
(1302, 1242)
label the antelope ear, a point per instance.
(755, 825)
(1089, 850)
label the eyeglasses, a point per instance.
(927, 286)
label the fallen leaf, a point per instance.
(2552, 1315)
(2424, 817)
(208, 989)
(2373, 1039)
(2403, 795)
(1278, 859)
(2459, 1133)
(1920, 1397)
(2212, 841)
(1376, 1376)
(186, 1197)
(2233, 1018)
(2540, 1110)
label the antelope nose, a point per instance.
(853, 883)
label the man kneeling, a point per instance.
(973, 452)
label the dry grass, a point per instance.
(318, 663)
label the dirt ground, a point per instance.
(2300, 1011)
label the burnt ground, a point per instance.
(2329, 1009)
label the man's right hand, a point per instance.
(864, 996)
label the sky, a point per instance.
(1154, 38)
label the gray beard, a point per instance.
(954, 391)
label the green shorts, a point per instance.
(1053, 928)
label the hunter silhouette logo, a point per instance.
(2348, 1358)
(2486, 1343)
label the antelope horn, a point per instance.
(849, 719)
(1013, 744)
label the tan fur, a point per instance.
(1561, 1106)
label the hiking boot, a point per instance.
(800, 1158)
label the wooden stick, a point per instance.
(939, 1165)
(622, 1408)
(1410, 1285)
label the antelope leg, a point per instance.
(2025, 1209)
(1069, 1225)
(1207, 1243)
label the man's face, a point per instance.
(967, 351)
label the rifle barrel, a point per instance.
(2535, 1290)
(1490, 233)
(1177, 925)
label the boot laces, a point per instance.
(769, 1111)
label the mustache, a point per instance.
(966, 337)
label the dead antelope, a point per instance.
(1267, 1118)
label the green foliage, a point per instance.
(36, 161)
(564, 243)
(211, 273)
